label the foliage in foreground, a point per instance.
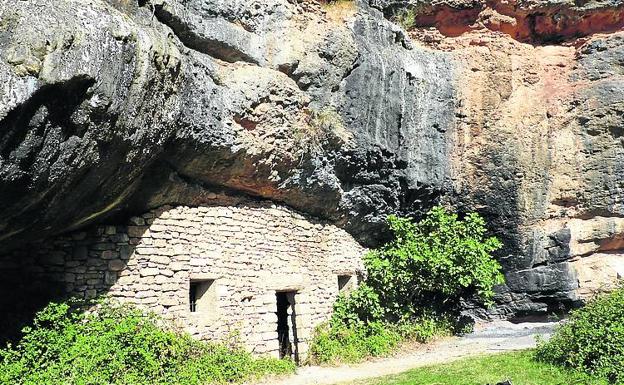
(519, 367)
(337, 342)
(114, 344)
(592, 340)
(414, 287)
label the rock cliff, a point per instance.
(348, 111)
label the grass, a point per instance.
(519, 367)
(339, 10)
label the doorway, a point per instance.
(287, 325)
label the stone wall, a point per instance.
(247, 252)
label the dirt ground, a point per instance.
(491, 338)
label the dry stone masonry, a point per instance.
(217, 271)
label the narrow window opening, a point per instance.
(345, 283)
(193, 297)
(202, 296)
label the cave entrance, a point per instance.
(287, 325)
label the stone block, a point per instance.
(125, 280)
(146, 250)
(110, 278)
(136, 231)
(150, 271)
(157, 228)
(103, 246)
(137, 221)
(178, 266)
(108, 254)
(120, 238)
(160, 280)
(145, 294)
(169, 301)
(124, 251)
(161, 235)
(116, 265)
(161, 243)
(166, 287)
(559, 277)
(79, 269)
(159, 259)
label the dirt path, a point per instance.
(492, 338)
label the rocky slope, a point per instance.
(514, 109)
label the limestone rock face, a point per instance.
(514, 109)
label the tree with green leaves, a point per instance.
(434, 263)
(414, 287)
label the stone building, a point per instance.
(259, 270)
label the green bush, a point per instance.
(428, 267)
(414, 286)
(591, 340)
(335, 343)
(115, 344)
(437, 261)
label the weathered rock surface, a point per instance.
(109, 108)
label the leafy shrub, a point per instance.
(427, 327)
(413, 288)
(591, 340)
(434, 262)
(334, 343)
(115, 344)
(360, 305)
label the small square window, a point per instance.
(202, 296)
(346, 283)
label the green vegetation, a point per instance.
(519, 367)
(339, 342)
(406, 18)
(414, 287)
(336, 343)
(592, 340)
(115, 344)
(324, 127)
(435, 262)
